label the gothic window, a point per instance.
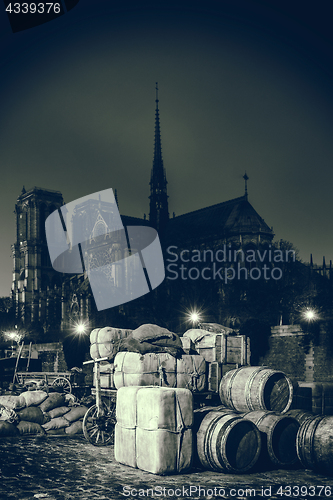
(100, 258)
(99, 229)
(74, 308)
(23, 222)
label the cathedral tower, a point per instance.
(159, 213)
(33, 275)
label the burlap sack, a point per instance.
(34, 398)
(7, 429)
(56, 432)
(32, 414)
(25, 428)
(75, 428)
(56, 423)
(54, 400)
(13, 402)
(76, 413)
(58, 412)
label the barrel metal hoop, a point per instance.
(260, 419)
(207, 442)
(271, 452)
(221, 443)
(229, 387)
(248, 386)
(306, 455)
(262, 382)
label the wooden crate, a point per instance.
(215, 373)
(188, 345)
(225, 349)
(314, 397)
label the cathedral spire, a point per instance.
(246, 178)
(159, 213)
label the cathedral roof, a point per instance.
(134, 221)
(217, 222)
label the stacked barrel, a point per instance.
(226, 442)
(254, 425)
(315, 444)
(251, 427)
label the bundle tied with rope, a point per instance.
(150, 338)
(159, 419)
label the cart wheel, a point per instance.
(98, 427)
(62, 384)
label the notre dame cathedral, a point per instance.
(52, 303)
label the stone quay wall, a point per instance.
(290, 353)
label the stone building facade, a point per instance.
(33, 275)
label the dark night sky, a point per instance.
(243, 86)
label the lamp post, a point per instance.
(14, 336)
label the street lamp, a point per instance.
(310, 315)
(194, 317)
(80, 327)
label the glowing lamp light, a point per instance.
(310, 315)
(14, 336)
(194, 317)
(80, 328)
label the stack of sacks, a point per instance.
(37, 413)
(8, 421)
(32, 417)
(63, 419)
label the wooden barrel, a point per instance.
(300, 415)
(200, 413)
(228, 443)
(256, 388)
(279, 434)
(102, 341)
(315, 444)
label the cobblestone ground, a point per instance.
(62, 468)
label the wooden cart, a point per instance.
(57, 380)
(100, 420)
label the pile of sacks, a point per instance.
(40, 413)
